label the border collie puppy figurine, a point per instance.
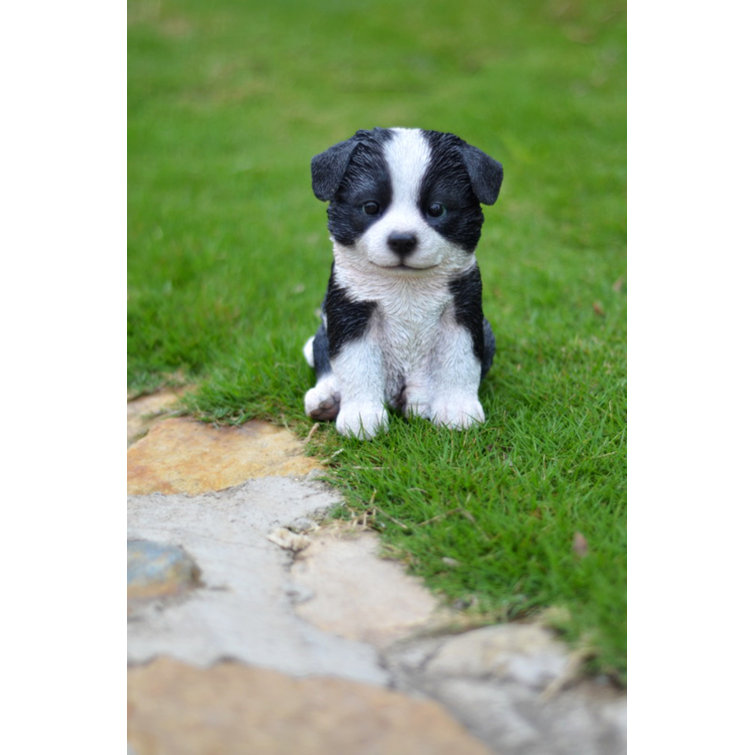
(402, 321)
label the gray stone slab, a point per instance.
(242, 608)
(497, 682)
(510, 718)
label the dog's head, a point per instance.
(405, 200)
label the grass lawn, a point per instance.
(229, 257)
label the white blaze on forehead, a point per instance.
(407, 155)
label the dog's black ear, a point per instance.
(328, 168)
(485, 173)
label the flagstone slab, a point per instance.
(358, 595)
(232, 708)
(517, 688)
(143, 412)
(181, 455)
(525, 653)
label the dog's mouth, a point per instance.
(401, 267)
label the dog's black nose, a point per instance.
(402, 243)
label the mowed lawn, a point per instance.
(229, 257)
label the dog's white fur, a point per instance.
(413, 337)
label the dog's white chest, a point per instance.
(407, 324)
(407, 330)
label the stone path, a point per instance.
(255, 629)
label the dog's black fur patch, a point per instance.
(467, 293)
(349, 174)
(321, 351)
(447, 181)
(347, 320)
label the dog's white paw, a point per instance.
(322, 401)
(457, 411)
(363, 421)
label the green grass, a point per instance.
(229, 258)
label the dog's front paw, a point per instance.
(457, 411)
(363, 421)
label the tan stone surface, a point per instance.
(529, 653)
(357, 594)
(231, 709)
(181, 455)
(145, 411)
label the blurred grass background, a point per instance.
(228, 259)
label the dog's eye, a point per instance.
(436, 210)
(370, 208)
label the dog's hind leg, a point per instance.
(324, 400)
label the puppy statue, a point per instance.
(402, 321)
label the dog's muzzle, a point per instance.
(402, 243)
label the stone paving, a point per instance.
(255, 628)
